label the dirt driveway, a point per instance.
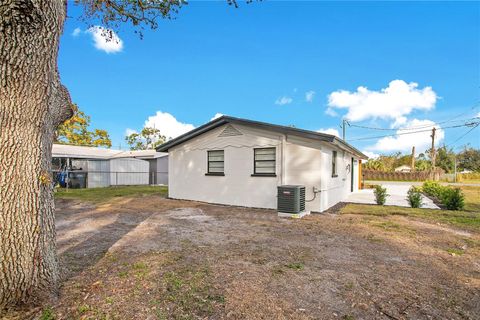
(153, 258)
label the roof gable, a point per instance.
(262, 125)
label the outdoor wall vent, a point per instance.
(230, 131)
(291, 199)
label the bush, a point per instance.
(380, 195)
(453, 198)
(414, 197)
(432, 188)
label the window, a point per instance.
(334, 164)
(215, 163)
(264, 162)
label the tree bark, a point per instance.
(32, 104)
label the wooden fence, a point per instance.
(434, 175)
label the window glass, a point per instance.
(334, 163)
(264, 162)
(216, 161)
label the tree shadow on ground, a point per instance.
(92, 245)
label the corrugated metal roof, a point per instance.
(69, 151)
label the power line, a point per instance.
(475, 124)
(451, 145)
(422, 126)
(411, 128)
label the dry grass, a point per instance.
(152, 258)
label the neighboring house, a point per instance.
(98, 167)
(240, 162)
(403, 168)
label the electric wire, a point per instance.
(475, 124)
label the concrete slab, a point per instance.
(398, 196)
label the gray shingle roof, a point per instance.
(262, 125)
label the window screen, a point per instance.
(334, 163)
(264, 161)
(215, 161)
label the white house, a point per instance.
(403, 168)
(241, 162)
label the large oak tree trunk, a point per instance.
(32, 104)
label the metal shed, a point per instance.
(129, 171)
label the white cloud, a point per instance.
(129, 131)
(217, 115)
(478, 115)
(371, 155)
(400, 121)
(309, 95)
(168, 125)
(105, 39)
(76, 32)
(331, 112)
(283, 100)
(397, 100)
(404, 142)
(331, 131)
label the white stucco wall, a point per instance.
(306, 162)
(187, 166)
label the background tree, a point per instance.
(76, 131)
(148, 138)
(469, 159)
(33, 103)
(445, 159)
(422, 163)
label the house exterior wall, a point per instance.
(188, 164)
(335, 189)
(305, 162)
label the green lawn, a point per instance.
(105, 194)
(468, 218)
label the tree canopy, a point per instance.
(467, 159)
(148, 138)
(76, 131)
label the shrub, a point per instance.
(380, 195)
(432, 188)
(414, 197)
(453, 198)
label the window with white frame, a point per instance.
(264, 161)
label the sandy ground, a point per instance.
(154, 258)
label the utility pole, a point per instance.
(412, 164)
(432, 151)
(455, 168)
(344, 123)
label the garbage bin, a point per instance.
(78, 180)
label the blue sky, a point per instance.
(259, 62)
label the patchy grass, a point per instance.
(47, 314)
(472, 198)
(465, 219)
(468, 218)
(455, 251)
(295, 266)
(98, 195)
